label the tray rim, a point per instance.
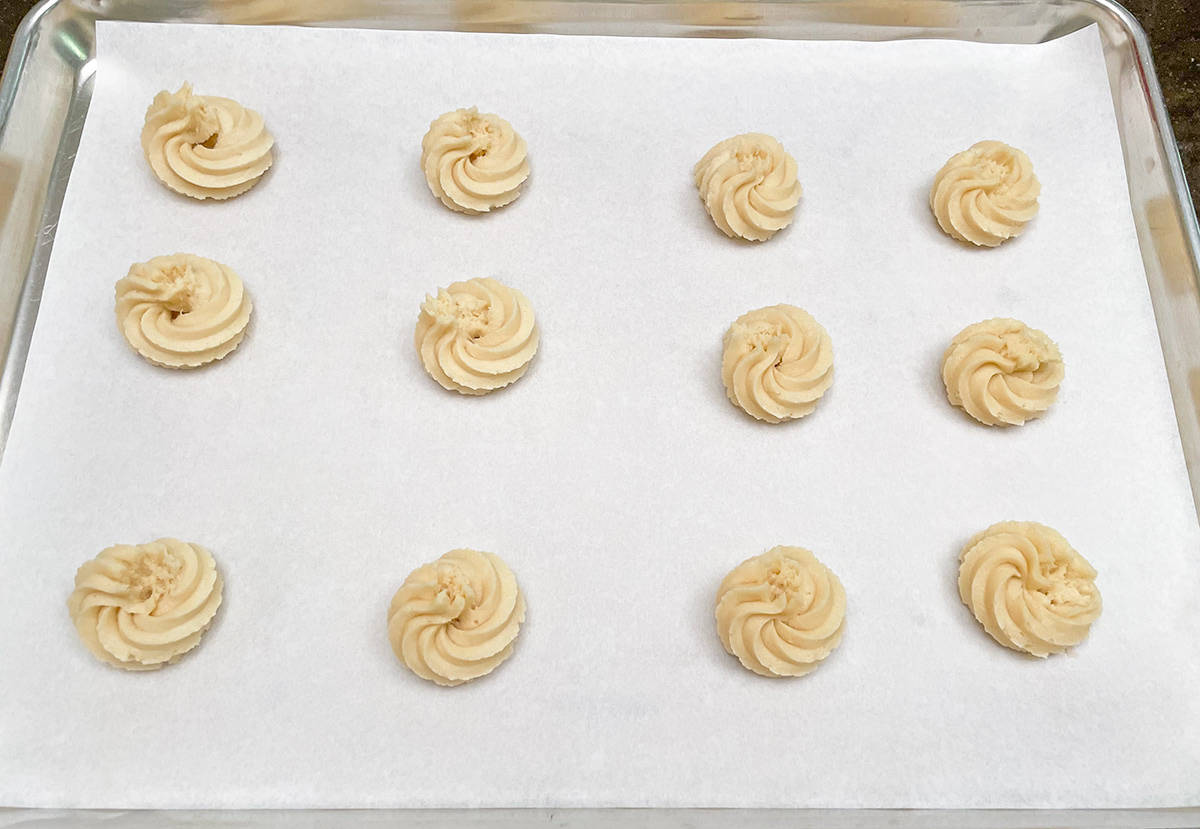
(12, 365)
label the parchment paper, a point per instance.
(321, 464)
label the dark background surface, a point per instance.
(1173, 26)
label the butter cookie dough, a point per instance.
(182, 311)
(204, 146)
(476, 336)
(777, 363)
(140, 607)
(748, 186)
(781, 613)
(1028, 587)
(474, 162)
(456, 619)
(1002, 372)
(985, 194)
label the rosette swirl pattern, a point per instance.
(1002, 372)
(474, 161)
(777, 363)
(748, 186)
(456, 619)
(781, 613)
(476, 336)
(141, 607)
(985, 194)
(182, 311)
(1028, 587)
(204, 146)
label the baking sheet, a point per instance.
(320, 464)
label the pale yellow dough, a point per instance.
(182, 311)
(141, 607)
(204, 146)
(781, 613)
(474, 162)
(985, 194)
(777, 363)
(476, 336)
(1028, 587)
(1002, 372)
(748, 186)
(456, 619)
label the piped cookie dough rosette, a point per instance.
(474, 161)
(985, 194)
(781, 613)
(476, 336)
(1028, 587)
(1002, 372)
(748, 186)
(204, 146)
(456, 619)
(141, 607)
(777, 363)
(182, 311)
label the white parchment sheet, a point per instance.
(320, 464)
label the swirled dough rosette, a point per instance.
(456, 619)
(476, 336)
(141, 607)
(781, 613)
(204, 146)
(777, 363)
(182, 311)
(474, 162)
(985, 194)
(1002, 372)
(1028, 587)
(748, 186)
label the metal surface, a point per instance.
(611, 819)
(44, 97)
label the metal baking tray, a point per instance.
(44, 97)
